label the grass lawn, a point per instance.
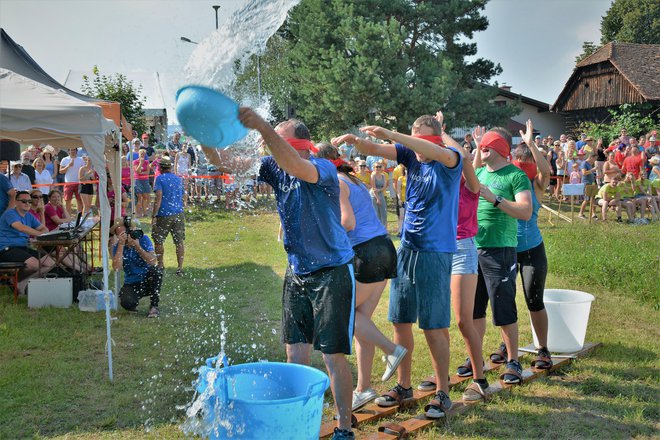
(53, 368)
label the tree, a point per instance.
(117, 88)
(627, 21)
(588, 48)
(631, 21)
(342, 63)
(637, 119)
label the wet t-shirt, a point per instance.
(311, 217)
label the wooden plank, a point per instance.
(372, 412)
(420, 421)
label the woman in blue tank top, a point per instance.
(532, 260)
(375, 263)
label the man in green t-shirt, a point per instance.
(608, 195)
(505, 198)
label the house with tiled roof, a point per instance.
(616, 74)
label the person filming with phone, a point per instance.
(134, 252)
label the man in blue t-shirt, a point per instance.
(168, 214)
(142, 276)
(421, 292)
(16, 227)
(319, 291)
(7, 193)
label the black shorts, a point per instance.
(17, 254)
(319, 308)
(533, 268)
(497, 283)
(375, 260)
(87, 188)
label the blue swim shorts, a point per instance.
(421, 291)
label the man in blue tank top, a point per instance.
(421, 292)
(319, 293)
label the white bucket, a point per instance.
(568, 316)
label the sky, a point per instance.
(534, 41)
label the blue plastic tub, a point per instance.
(209, 116)
(262, 401)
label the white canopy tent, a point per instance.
(31, 112)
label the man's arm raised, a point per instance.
(284, 154)
(426, 148)
(365, 146)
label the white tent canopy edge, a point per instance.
(31, 112)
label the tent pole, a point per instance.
(118, 184)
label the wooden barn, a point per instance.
(616, 74)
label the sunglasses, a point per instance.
(363, 166)
(35, 196)
(378, 166)
(23, 200)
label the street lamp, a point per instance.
(216, 16)
(188, 40)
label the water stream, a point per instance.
(212, 64)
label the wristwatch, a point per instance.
(498, 200)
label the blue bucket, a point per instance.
(263, 400)
(209, 116)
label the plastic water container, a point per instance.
(568, 316)
(94, 301)
(262, 400)
(209, 116)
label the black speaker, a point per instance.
(9, 150)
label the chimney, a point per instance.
(505, 87)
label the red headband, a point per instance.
(497, 143)
(435, 139)
(302, 144)
(528, 167)
(338, 162)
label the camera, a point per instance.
(133, 228)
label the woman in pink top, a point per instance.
(464, 272)
(54, 211)
(37, 206)
(141, 168)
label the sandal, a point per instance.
(474, 393)
(179, 272)
(465, 370)
(438, 406)
(513, 373)
(500, 355)
(396, 396)
(428, 384)
(397, 431)
(543, 359)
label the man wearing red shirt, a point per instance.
(633, 163)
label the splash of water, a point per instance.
(212, 64)
(244, 34)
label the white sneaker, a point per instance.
(393, 360)
(361, 399)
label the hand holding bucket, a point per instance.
(209, 116)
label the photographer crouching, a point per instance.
(134, 252)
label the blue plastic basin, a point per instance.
(209, 116)
(263, 400)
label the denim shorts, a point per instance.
(142, 187)
(465, 260)
(421, 291)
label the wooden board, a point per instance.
(372, 412)
(420, 421)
